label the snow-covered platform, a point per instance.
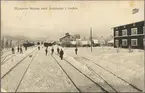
(102, 70)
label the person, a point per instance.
(18, 48)
(38, 47)
(21, 50)
(52, 50)
(25, 47)
(61, 54)
(58, 50)
(13, 50)
(76, 50)
(46, 51)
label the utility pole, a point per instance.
(91, 37)
(102, 41)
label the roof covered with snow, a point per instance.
(73, 42)
(96, 41)
(85, 42)
(111, 41)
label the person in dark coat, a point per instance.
(76, 50)
(18, 49)
(58, 50)
(25, 47)
(61, 54)
(38, 47)
(46, 51)
(13, 50)
(52, 50)
(21, 50)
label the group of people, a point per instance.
(19, 49)
(59, 51)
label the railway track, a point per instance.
(6, 51)
(133, 86)
(66, 73)
(25, 72)
(103, 89)
(5, 60)
(5, 57)
(17, 64)
(102, 78)
(2, 54)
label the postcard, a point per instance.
(72, 46)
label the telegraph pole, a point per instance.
(91, 37)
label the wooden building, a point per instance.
(129, 35)
(66, 40)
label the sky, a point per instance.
(53, 24)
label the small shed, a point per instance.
(96, 42)
(85, 43)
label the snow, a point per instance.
(2, 90)
(111, 41)
(84, 84)
(96, 41)
(85, 42)
(13, 61)
(11, 81)
(73, 42)
(45, 75)
(129, 66)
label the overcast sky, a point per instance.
(100, 15)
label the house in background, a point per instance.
(73, 43)
(129, 35)
(85, 43)
(95, 42)
(66, 40)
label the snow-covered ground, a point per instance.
(45, 74)
(129, 66)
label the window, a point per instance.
(134, 42)
(133, 31)
(117, 43)
(124, 42)
(116, 33)
(124, 32)
(143, 29)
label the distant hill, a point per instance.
(15, 37)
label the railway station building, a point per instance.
(130, 35)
